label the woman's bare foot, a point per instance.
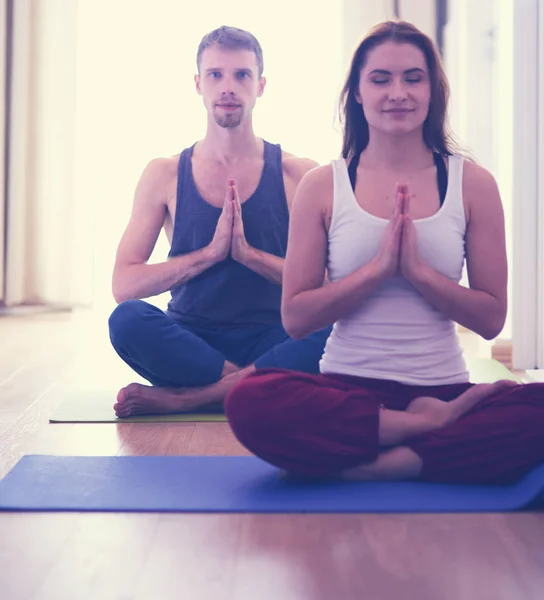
(396, 464)
(441, 413)
(436, 412)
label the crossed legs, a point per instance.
(329, 426)
(193, 369)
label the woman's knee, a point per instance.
(251, 398)
(256, 407)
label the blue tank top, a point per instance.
(229, 294)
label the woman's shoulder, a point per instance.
(315, 190)
(319, 175)
(477, 179)
(318, 181)
(480, 188)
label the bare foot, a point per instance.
(441, 413)
(137, 399)
(486, 389)
(466, 401)
(437, 412)
(396, 464)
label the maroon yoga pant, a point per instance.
(320, 425)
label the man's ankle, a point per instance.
(229, 368)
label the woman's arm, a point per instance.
(307, 304)
(482, 307)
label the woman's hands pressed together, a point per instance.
(398, 253)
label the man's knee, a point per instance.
(316, 342)
(301, 355)
(126, 320)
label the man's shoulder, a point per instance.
(306, 173)
(158, 179)
(160, 174)
(295, 167)
(163, 166)
(311, 170)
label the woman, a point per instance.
(391, 223)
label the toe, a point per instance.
(123, 410)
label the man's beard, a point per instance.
(228, 120)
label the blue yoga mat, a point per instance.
(238, 484)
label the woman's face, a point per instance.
(395, 88)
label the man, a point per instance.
(224, 205)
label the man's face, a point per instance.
(229, 84)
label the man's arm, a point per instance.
(482, 307)
(132, 277)
(265, 264)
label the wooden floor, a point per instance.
(219, 557)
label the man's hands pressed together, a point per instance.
(239, 247)
(230, 240)
(222, 239)
(229, 237)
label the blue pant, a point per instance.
(168, 354)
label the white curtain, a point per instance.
(48, 258)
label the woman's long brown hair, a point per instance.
(355, 132)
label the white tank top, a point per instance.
(396, 334)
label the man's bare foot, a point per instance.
(137, 399)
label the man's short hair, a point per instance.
(231, 38)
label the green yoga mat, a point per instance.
(488, 370)
(96, 406)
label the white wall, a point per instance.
(528, 228)
(422, 13)
(503, 121)
(3, 36)
(479, 65)
(540, 212)
(357, 18)
(360, 15)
